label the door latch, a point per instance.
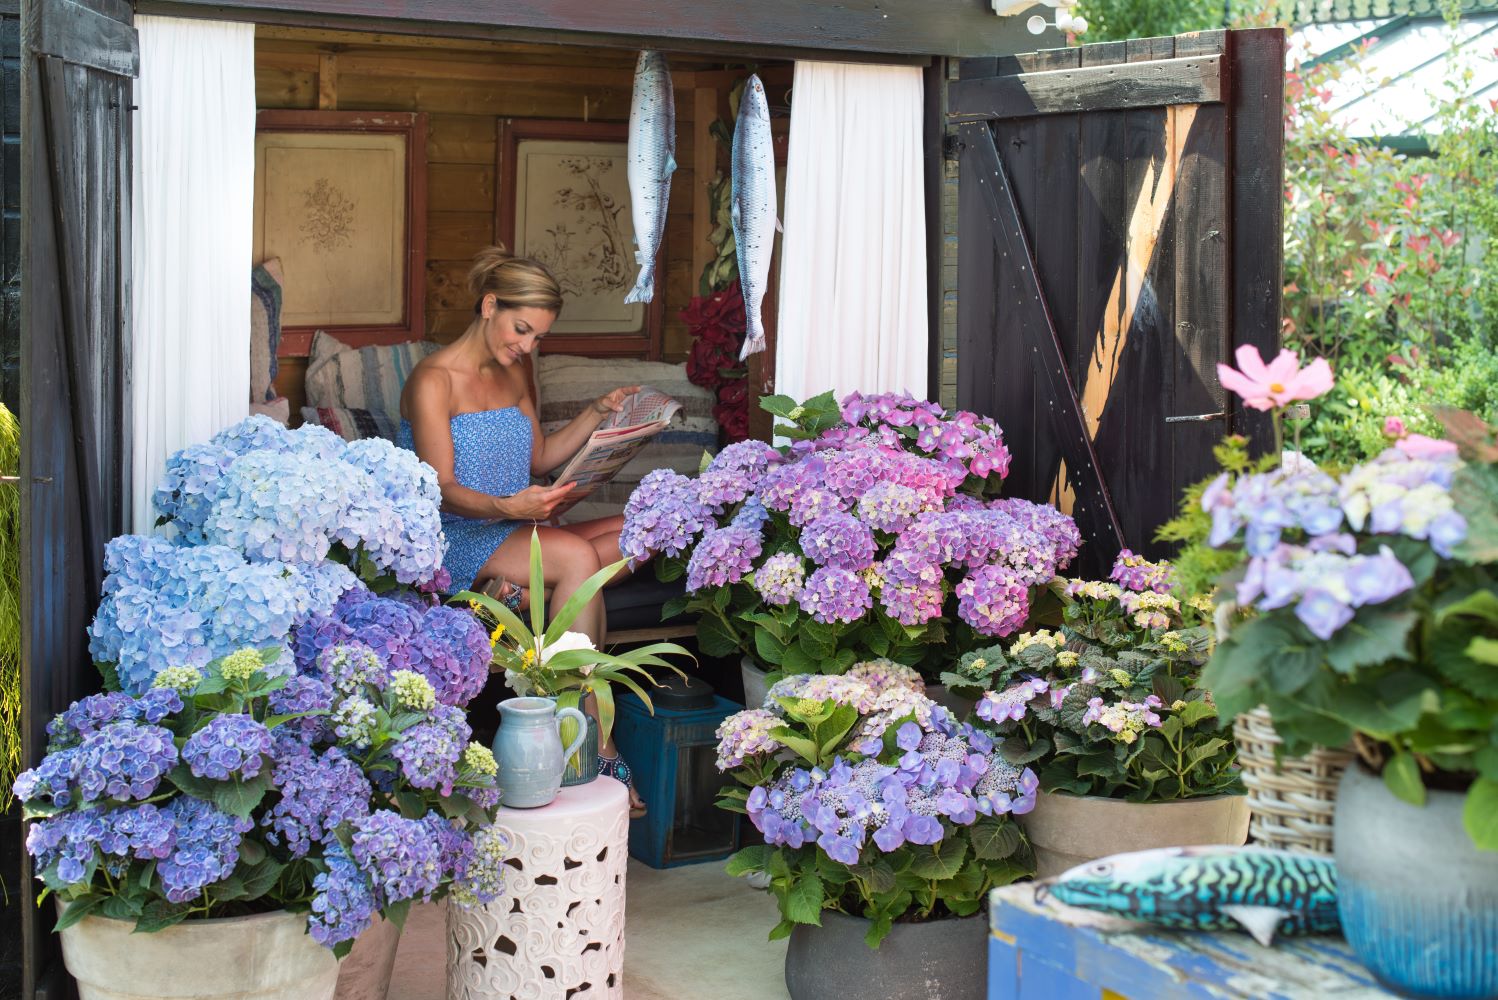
(1196, 418)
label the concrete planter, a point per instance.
(1068, 830)
(936, 960)
(364, 973)
(1418, 901)
(268, 956)
(756, 689)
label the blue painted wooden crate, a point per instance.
(1033, 955)
(672, 753)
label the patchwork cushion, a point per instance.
(352, 424)
(265, 329)
(569, 384)
(278, 409)
(365, 378)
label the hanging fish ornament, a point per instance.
(652, 160)
(1205, 889)
(753, 208)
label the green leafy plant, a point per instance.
(843, 774)
(1112, 703)
(552, 661)
(1381, 628)
(10, 608)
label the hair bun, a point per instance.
(485, 263)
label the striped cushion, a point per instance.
(569, 384)
(265, 329)
(351, 424)
(366, 378)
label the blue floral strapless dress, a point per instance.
(491, 454)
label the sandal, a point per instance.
(618, 768)
(503, 591)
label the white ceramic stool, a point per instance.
(557, 933)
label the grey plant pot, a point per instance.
(936, 960)
(364, 973)
(1418, 901)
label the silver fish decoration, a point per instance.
(753, 208)
(652, 161)
(1205, 888)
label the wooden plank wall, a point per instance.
(464, 87)
(1148, 247)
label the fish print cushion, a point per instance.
(1211, 888)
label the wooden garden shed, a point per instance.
(1103, 225)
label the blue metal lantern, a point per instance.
(674, 754)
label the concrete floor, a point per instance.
(691, 932)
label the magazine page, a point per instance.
(618, 440)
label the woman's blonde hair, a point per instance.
(515, 282)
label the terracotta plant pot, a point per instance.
(939, 958)
(1068, 830)
(1418, 900)
(268, 956)
(364, 973)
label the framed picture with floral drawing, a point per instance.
(563, 198)
(340, 198)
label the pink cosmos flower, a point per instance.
(1420, 446)
(1279, 383)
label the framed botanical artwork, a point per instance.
(340, 198)
(563, 199)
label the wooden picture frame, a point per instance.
(340, 197)
(595, 286)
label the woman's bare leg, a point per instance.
(603, 534)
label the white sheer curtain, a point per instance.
(853, 258)
(191, 241)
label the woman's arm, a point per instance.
(550, 452)
(428, 393)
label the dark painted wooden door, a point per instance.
(78, 60)
(1119, 234)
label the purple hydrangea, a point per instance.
(124, 761)
(429, 751)
(52, 779)
(343, 901)
(70, 840)
(206, 849)
(304, 694)
(1327, 581)
(398, 855)
(753, 458)
(88, 715)
(1140, 575)
(318, 792)
(993, 601)
(385, 626)
(891, 506)
(1012, 703)
(663, 515)
(318, 634)
(839, 540)
(230, 747)
(719, 489)
(835, 595)
(723, 556)
(451, 650)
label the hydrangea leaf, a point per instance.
(1372, 638)
(940, 861)
(1402, 777)
(1480, 814)
(994, 838)
(239, 798)
(803, 904)
(715, 637)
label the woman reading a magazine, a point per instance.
(469, 410)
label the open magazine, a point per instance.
(617, 440)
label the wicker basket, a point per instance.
(1290, 801)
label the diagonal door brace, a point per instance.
(1068, 422)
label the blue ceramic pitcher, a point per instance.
(529, 750)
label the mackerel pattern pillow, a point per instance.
(569, 384)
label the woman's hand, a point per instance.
(613, 402)
(534, 503)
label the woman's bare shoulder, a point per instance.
(429, 385)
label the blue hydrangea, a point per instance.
(315, 636)
(230, 747)
(663, 514)
(124, 761)
(343, 904)
(318, 792)
(74, 840)
(481, 880)
(304, 694)
(385, 626)
(206, 850)
(88, 715)
(399, 855)
(349, 666)
(53, 779)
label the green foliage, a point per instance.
(10, 607)
(1384, 252)
(1113, 673)
(539, 658)
(1119, 20)
(1197, 564)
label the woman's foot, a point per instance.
(617, 767)
(503, 591)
